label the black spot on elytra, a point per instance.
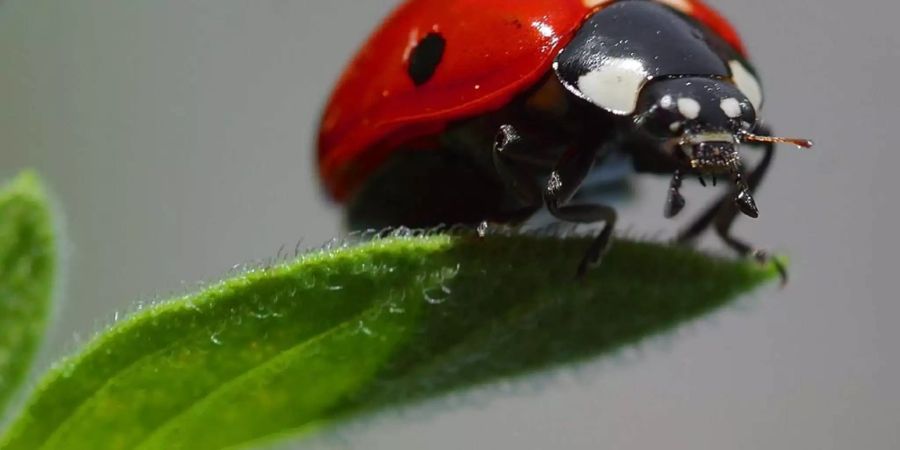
(425, 58)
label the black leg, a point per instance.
(563, 183)
(567, 176)
(724, 212)
(725, 205)
(508, 146)
(729, 211)
(675, 201)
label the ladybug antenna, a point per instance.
(750, 137)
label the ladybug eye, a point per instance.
(662, 122)
(667, 116)
(740, 111)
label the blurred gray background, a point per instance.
(177, 136)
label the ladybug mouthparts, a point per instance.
(716, 153)
(712, 153)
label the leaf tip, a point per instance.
(26, 183)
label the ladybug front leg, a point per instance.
(675, 201)
(564, 181)
(724, 212)
(729, 211)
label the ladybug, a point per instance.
(465, 111)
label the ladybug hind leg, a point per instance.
(430, 187)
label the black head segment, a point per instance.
(702, 117)
(701, 122)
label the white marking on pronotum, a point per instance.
(747, 83)
(731, 107)
(681, 5)
(675, 126)
(595, 3)
(689, 108)
(615, 86)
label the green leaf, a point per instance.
(301, 345)
(27, 266)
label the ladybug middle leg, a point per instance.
(566, 177)
(511, 148)
(564, 181)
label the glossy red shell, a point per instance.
(494, 50)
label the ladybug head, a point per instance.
(701, 120)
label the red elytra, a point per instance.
(494, 51)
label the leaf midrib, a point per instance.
(249, 373)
